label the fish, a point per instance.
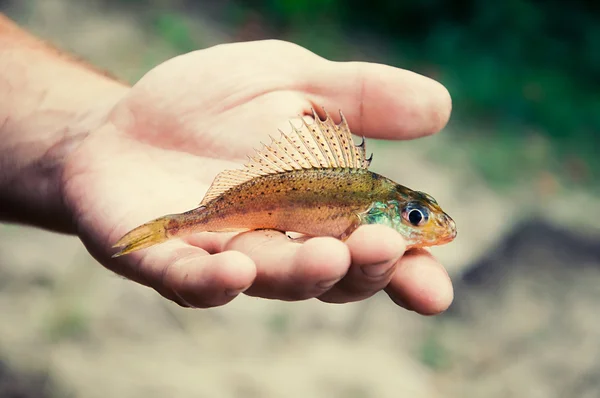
(314, 181)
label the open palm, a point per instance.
(198, 114)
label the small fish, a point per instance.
(314, 181)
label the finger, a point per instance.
(375, 250)
(421, 284)
(292, 271)
(212, 242)
(191, 277)
(380, 101)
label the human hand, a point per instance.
(200, 113)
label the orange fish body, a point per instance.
(314, 181)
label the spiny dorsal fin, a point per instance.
(321, 144)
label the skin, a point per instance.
(83, 154)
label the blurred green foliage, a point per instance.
(525, 60)
(431, 351)
(68, 323)
(175, 31)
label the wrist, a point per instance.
(31, 167)
(49, 102)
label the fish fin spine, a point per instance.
(318, 145)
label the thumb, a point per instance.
(381, 101)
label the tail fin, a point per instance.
(146, 235)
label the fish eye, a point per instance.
(416, 216)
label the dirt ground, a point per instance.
(522, 324)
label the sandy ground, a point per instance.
(98, 335)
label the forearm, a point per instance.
(49, 101)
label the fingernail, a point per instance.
(376, 270)
(327, 284)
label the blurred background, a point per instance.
(517, 167)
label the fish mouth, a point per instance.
(450, 231)
(453, 232)
(449, 238)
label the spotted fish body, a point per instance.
(314, 181)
